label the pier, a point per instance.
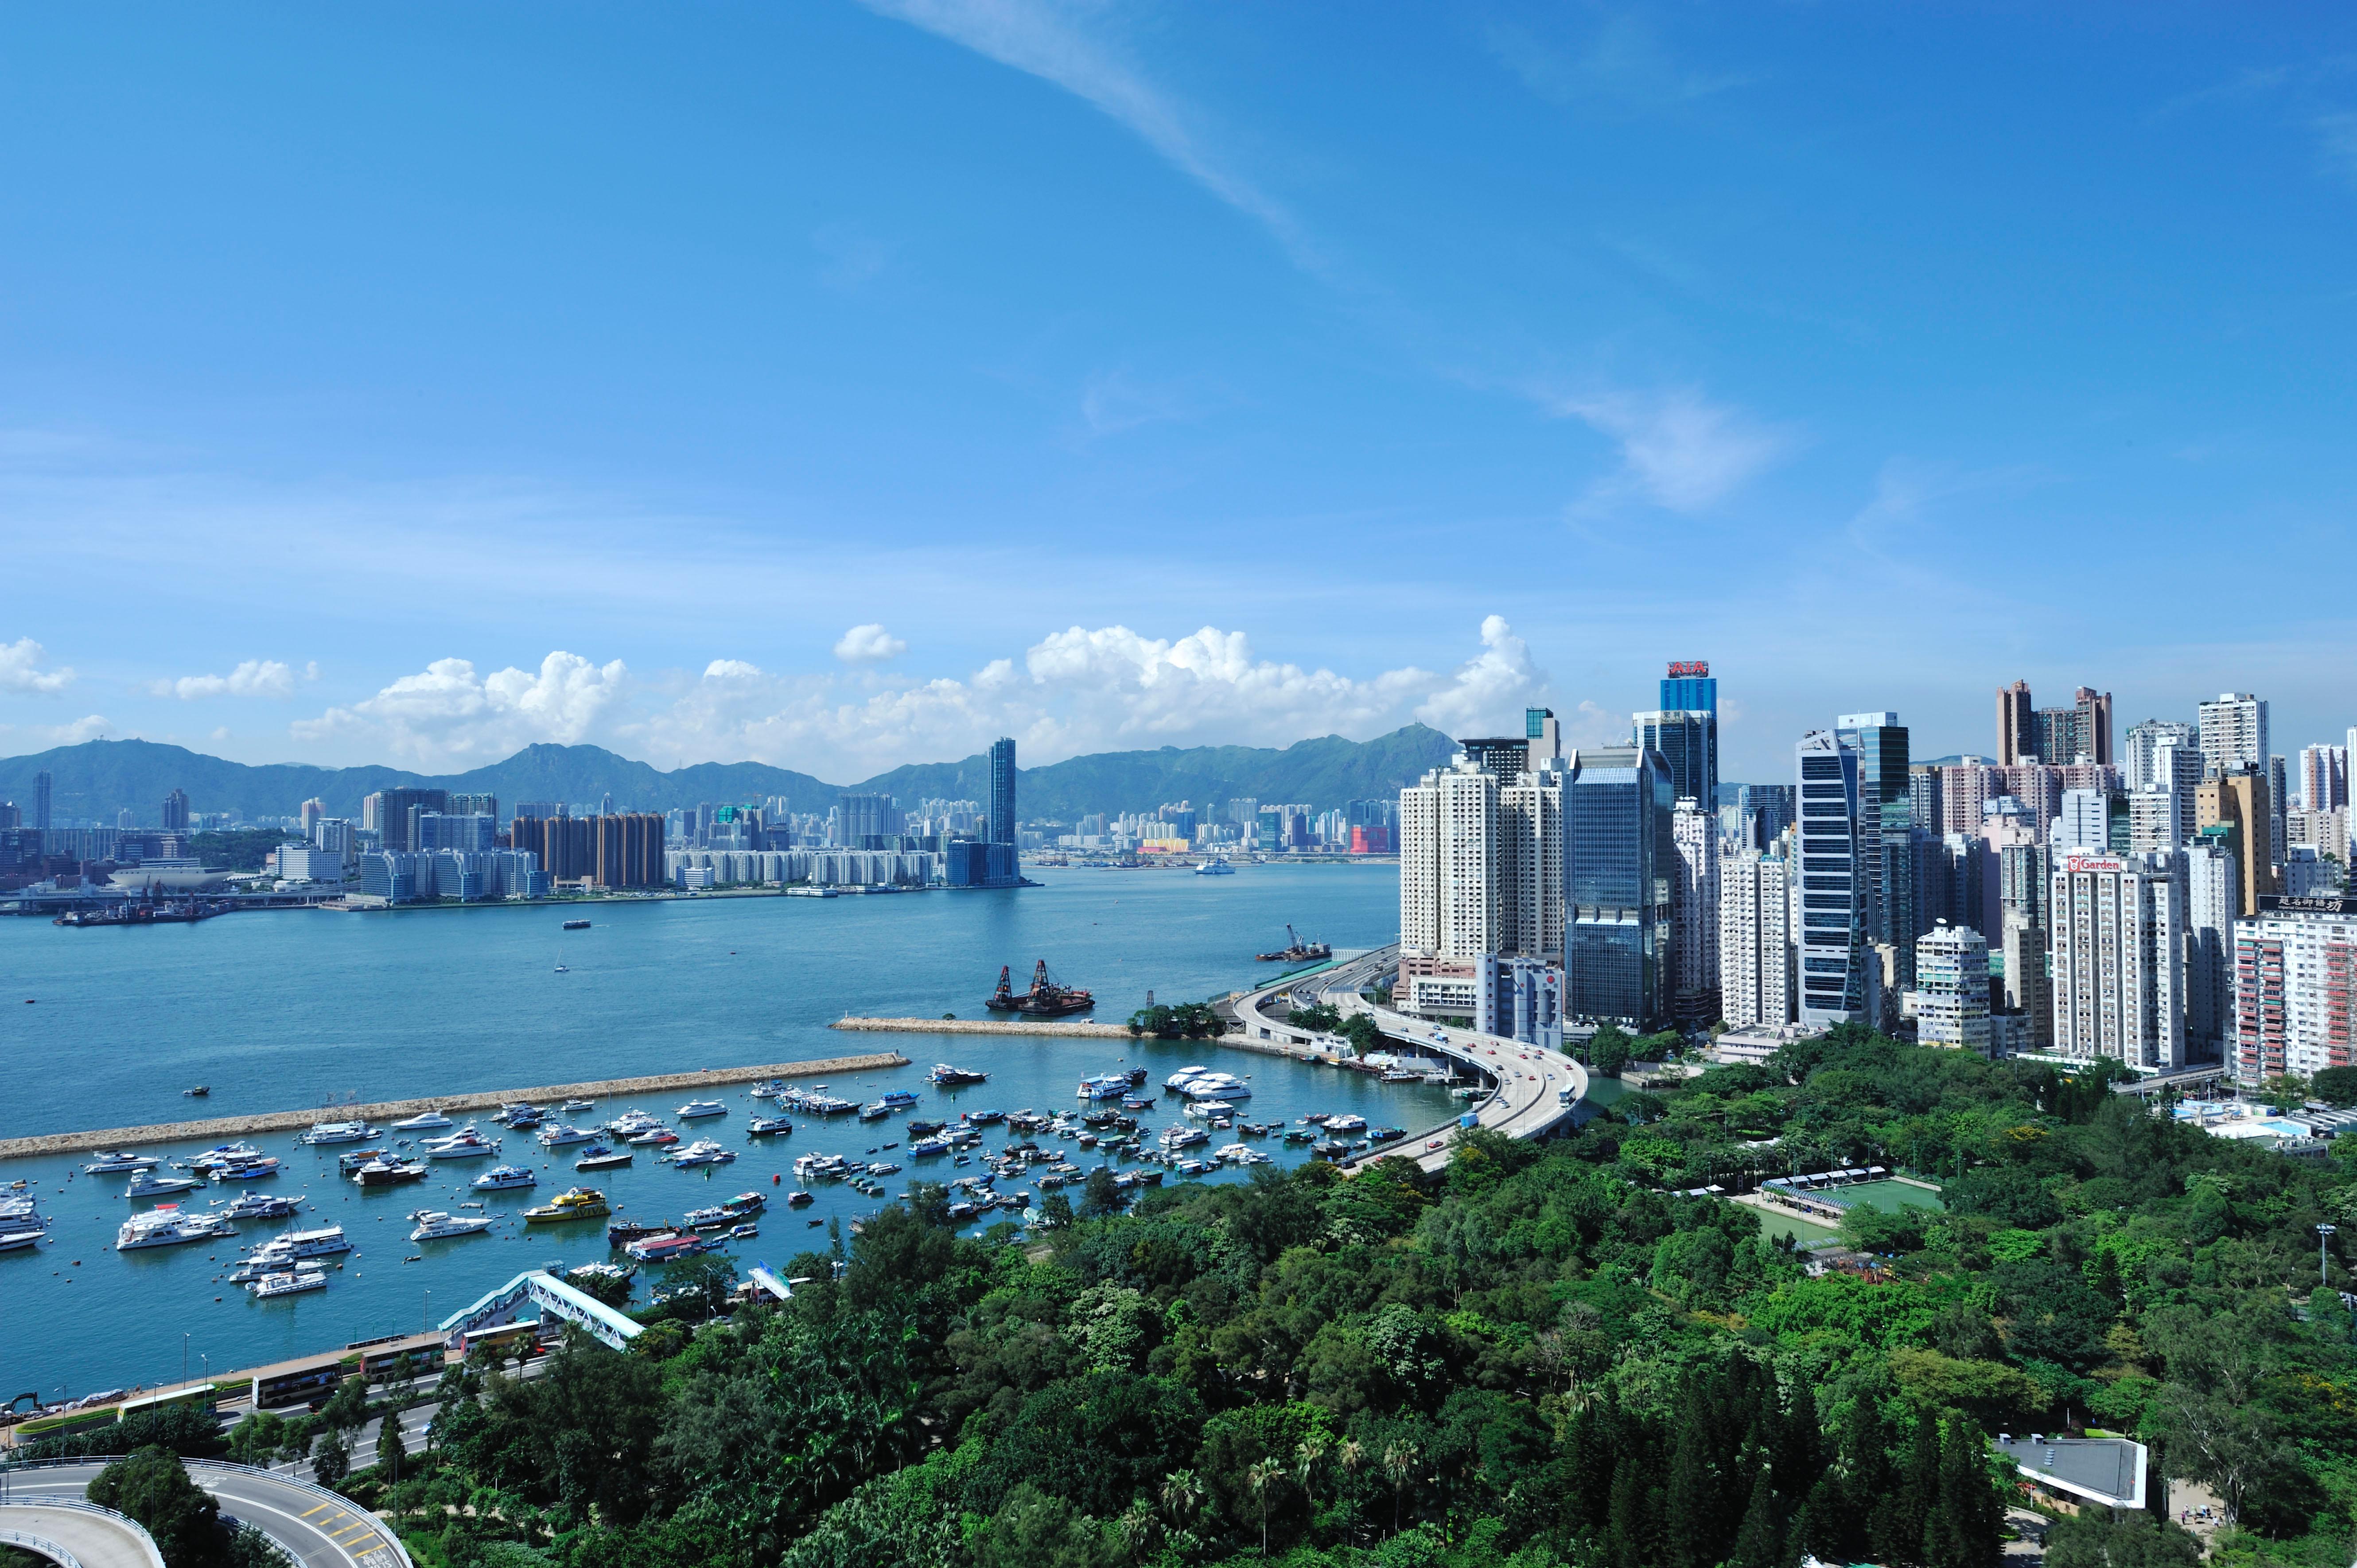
(393, 1110)
(986, 1026)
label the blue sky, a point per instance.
(844, 384)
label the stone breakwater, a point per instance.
(394, 1109)
(985, 1027)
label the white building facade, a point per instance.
(1754, 939)
(1951, 989)
(2117, 924)
(2295, 987)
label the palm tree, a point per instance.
(1351, 1455)
(1258, 1478)
(1399, 1462)
(1182, 1498)
(1306, 1455)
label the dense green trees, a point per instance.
(1538, 1356)
(152, 1486)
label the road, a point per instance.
(93, 1537)
(317, 1528)
(1528, 1098)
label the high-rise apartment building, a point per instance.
(1966, 787)
(2037, 786)
(1502, 757)
(2233, 733)
(1619, 859)
(2139, 757)
(41, 800)
(1832, 935)
(1449, 882)
(2084, 824)
(174, 818)
(1528, 859)
(2017, 725)
(2155, 821)
(2323, 776)
(314, 811)
(2118, 960)
(392, 815)
(478, 805)
(1951, 989)
(2279, 802)
(1885, 839)
(2296, 987)
(629, 850)
(1755, 959)
(2237, 801)
(862, 818)
(1694, 916)
(2082, 730)
(2028, 991)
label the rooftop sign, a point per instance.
(2312, 904)
(1680, 669)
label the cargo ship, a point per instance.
(1296, 950)
(1046, 998)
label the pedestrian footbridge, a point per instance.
(552, 1298)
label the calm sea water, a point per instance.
(280, 1011)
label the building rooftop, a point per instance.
(2108, 1470)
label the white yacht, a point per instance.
(464, 1144)
(1184, 1137)
(423, 1121)
(569, 1107)
(433, 1225)
(1346, 1124)
(294, 1282)
(147, 1184)
(18, 1241)
(695, 1108)
(338, 1132)
(323, 1243)
(1216, 1086)
(1178, 1080)
(107, 1165)
(1216, 866)
(261, 1206)
(168, 1225)
(498, 1178)
(565, 1135)
(703, 1152)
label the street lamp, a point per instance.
(184, 1358)
(2323, 1254)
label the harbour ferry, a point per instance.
(577, 1203)
(1216, 866)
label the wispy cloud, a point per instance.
(869, 644)
(1048, 41)
(1679, 450)
(1622, 66)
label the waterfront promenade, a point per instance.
(1071, 1029)
(394, 1109)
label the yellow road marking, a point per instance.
(320, 1508)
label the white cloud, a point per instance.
(448, 716)
(1678, 449)
(253, 678)
(41, 737)
(1045, 40)
(20, 669)
(868, 644)
(1076, 691)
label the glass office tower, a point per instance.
(1885, 820)
(1833, 906)
(1618, 858)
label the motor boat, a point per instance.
(599, 1157)
(498, 1178)
(107, 1163)
(338, 1132)
(388, 1173)
(351, 1160)
(166, 1225)
(767, 1124)
(1346, 1124)
(220, 1157)
(423, 1121)
(248, 1170)
(433, 1225)
(569, 1107)
(656, 1138)
(1184, 1137)
(801, 1199)
(466, 1144)
(703, 1152)
(900, 1098)
(563, 1135)
(148, 1183)
(697, 1108)
(260, 1206)
(711, 1218)
(947, 1076)
(744, 1232)
(18, 1241)
(1215, 1086)
(323, 1243)
(575, 1203)
(873, 1111)
(747, 1203)
(1107, 1086)
(1207, 1109)
(294, 1282)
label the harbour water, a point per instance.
(285, 1010)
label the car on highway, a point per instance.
(1431, 1143)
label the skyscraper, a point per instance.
(41, 802)
(1754, 939)
(1694, 916)
(2083, 729)
(1885, 841)
(2140, 756)
(314, 809)
(1831, 938)
(1502, 757)
(1449, 882)
(2119, 960)
(2017, 725)
(2238, 803)
(2233, 733)
(1618, 875)
(1529, 859)
(1687, 740)
(1544, 734)
(1690, 687)
(2279, 802)
(1002, 791)
(175, 816)
(2323, 776)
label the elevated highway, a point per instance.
(1533, 1092)
(314, 1526)
(73, 1534)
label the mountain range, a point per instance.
(98, 777)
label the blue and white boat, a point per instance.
(899, 1099)
(498, 1178)
(107, 1163)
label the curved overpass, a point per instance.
(316, 1527)
(1527, 1095)
(73, 1534)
